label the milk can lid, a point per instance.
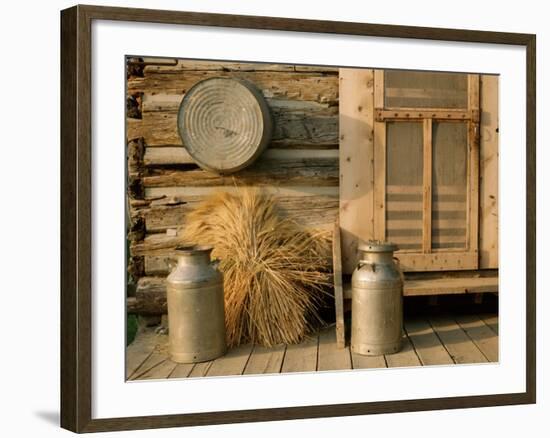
(377, 246)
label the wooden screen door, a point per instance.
(426, 167)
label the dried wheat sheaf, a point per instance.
(275, 272)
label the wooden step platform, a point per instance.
(441, 340)
(151, 291)
(443, 286)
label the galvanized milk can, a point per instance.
(377, 301)
(195, 307)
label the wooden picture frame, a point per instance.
(76, 217)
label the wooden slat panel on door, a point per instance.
(473, 92)
(356, 161)
(379, 201)
(437, 261)
(427, 188)
(423, 90)
(472, 230)
(417, 206)
(488, 159)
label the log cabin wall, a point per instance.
(300, 165)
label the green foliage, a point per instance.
(131, 328)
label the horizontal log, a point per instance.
(170, 155)
(264, 172)
(296, 125)
(176, 194)
(160, 156)
(150, 297)
(167, 102)
(187, 65)
(307, 211)
(313, 86)
(163, 217)
(158, 265)
(153, 65)
(163, 244)
(135, 153)
(159, 244)
(132, 305)
(136, 267)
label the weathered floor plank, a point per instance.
(181, 371)
(481, 334)
(439, 340)
(138, 351)
(427, 345)
(151, 362)
(491, 320)
(233, 363)
(330, 356)
(405, 358)
(461, 348)
(359, 361)
(264, 360)
(301, 357)
(200, 369)
(160, 371)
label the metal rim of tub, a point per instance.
(224, 123)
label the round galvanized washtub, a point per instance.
(377, 301)
(224, 123)
(196, 318)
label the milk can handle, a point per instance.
(171, 263)
(398, 264)
(362, 263)
(215, 263)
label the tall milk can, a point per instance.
(196, 322)
(376, 301)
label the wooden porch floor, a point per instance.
(441, 340)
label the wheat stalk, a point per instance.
(275, 272)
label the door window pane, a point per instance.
(449, 185)
(404, 160)
(414, 89)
